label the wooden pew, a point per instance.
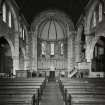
(20, 91)
(84, 99)
(83, 91)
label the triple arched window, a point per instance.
(52, 48)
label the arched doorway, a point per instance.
(98, 61)
(6, 61)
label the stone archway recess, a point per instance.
(11, 48)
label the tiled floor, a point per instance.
(52, 95)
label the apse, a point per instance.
(52, 42)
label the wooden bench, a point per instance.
(83, 91)
(85, 99)
(21, 91)
(26, 99)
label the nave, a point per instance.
(52, 94)
(52, 60)
(62, 91)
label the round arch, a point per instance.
(64, 23)
(11, 45)
(8, 55)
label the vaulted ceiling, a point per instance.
(30, 8)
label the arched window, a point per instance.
(100, 12)
(52, 49)
(62, 48)
(4, 12)
(23, 34)
(43, 48)
(94, 19)
(20, 30)
(10, 19)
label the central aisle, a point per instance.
(52, 95)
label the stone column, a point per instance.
(88, 51)
(70, 52)
(27, 57)
(34, 52)
(16, 55)
(78, 45)
(88, 48)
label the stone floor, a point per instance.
(52, 95)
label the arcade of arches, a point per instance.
(53, 45)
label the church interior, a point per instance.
(54, 59)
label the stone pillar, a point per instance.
(78, 51)
(34, 52)
(78, 45)
(16, 55)
(88, 51)
(27, 57)
(88, 48)
(70, 52)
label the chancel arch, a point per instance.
(51, 29)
